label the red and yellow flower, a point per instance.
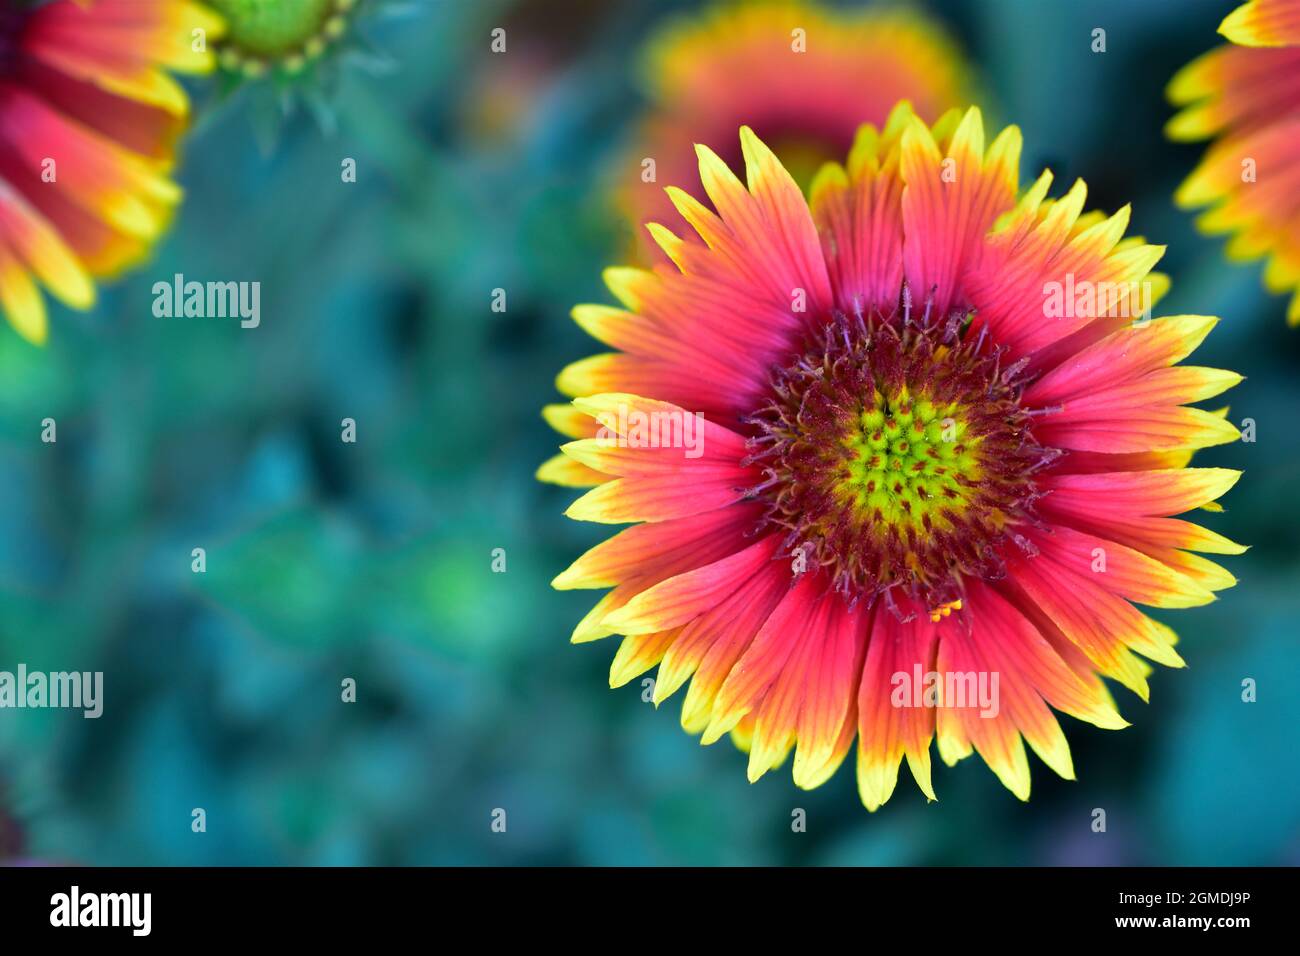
(1246, 96)
(803, 75)
(905, 462)
(89, 117)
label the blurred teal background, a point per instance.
(373, 560)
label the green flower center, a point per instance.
(286, 33)
(907, 459)
(897, 456)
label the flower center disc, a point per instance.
(280, 30)
(897, 457)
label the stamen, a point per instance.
(894, 464)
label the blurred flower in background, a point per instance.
(502, 96)
(802, 74)
(1246, 96)
(90, 118)
(923, 486)
(291, 52)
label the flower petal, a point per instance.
(951, 199)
